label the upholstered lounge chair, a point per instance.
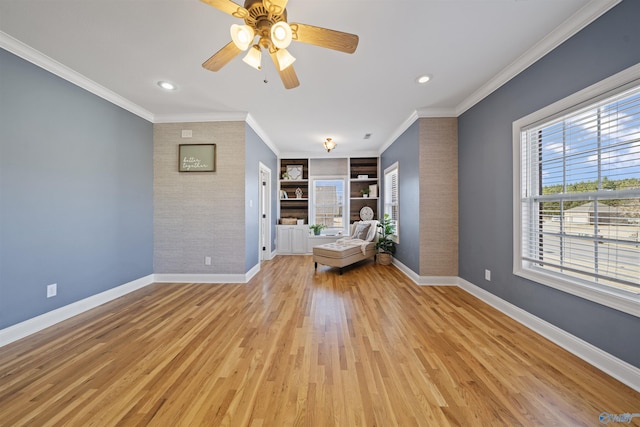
(358, 246)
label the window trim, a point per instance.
(394, 167)
(627, 302)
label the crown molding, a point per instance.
(585, 16)
(201, 117)
(436, 112)
(41, 60)
(262, 134)
(324, 155)
(399, 131)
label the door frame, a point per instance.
(264, 207)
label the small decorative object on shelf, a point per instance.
(373, 190)
(294, 171)
(286, 176)
(365, 192)
(298, 193)
(317, 228)
(363, 176)
(366, 213)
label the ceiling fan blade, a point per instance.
(222, 57)
(275, 6)
(288, 75)
(227, 6)
(323, 37)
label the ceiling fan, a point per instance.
(267, 19)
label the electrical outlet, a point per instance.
(207, 260)
(487, 275)
(52, 290)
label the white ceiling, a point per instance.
(121, 48)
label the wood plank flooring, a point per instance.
(300, 347)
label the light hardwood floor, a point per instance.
(300, 347)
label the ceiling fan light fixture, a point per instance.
(254, 57)
(329, 144)
(285, 59)
(242, 36)
(281, 35)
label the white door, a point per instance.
(265, 213)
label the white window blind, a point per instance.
(392, 196)
(580, 193)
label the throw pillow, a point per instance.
(361, 231)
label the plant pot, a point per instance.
(384, 258)
(316, 232)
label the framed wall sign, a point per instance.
(197, 158)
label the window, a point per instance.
(577, 213)
(391, 198)
(328, 204)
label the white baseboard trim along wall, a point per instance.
(208, 278)
(619, 369)
(426, 280)
(38, 323)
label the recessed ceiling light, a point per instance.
(166, 85)
(423, 79)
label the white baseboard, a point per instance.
(208, 278)
(426, 280)
(38, 323)
(617, 368)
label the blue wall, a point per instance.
(607, 46)
(257, 151)
(406, 151)
(76, 192)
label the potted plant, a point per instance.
(385, 245)
(365, 192)
(317, 228)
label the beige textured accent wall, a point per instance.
(199, 214)
(438, 196)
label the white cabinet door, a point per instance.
(292, 239)
(283, 242)
(299, 240)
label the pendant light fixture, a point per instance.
(329, 144)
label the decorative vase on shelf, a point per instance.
(373, 190)
(298, 193)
